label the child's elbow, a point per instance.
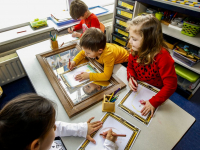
(107, 77)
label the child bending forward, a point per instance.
(93, 43)
(150, 60)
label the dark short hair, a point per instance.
(77, 9)
(24, 119)
(93, 39)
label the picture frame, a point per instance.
(131, 109)
(119, 126)
(70, 107)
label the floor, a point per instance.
(190, 140)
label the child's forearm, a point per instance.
(99, 77)
(78, 26)
(71, 129)
(109, 145)
(104, 76)
(167, 90)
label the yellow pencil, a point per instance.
(111, 96)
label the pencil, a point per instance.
(111, 96)
(21, 31)
(121, 135)
(131, 79)
(114, 98)
(117, 91)
(61, 44)
(71, 28)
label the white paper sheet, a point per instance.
(133, 101)
(70, 76)
(118, 128)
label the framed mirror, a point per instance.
(75, 96)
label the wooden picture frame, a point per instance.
(71, 108)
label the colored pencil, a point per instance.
(117, 91)
(131, 79)
(121, 135)
(21, 31)
(114, 98)
(61, 44)
(111, 96)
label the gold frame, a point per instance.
(135, 130)
(133, 114)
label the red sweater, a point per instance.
(160, 74)
(91, 21)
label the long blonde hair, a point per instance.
(152, 38)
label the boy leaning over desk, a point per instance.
(93, 44)
(79, 10)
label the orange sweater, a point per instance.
(112, 54)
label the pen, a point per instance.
(121, 135)
(21, 31)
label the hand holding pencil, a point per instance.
(132, 83)
(109, 135)
(71, 65)
(71, 29)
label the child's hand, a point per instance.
(92, 127)
(71, 65)
(131, 85)
(76, 34)
(147, 108)
(82, 76)
(70, 30)
(109, 135)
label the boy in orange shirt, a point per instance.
(93, 43)
(79, 10)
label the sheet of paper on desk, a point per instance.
(118, 128)
(70, 76)
(133, 101)
(65, 39)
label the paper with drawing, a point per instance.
(118, 128)
(70, 76)
(133, 101)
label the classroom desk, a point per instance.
(169, 124)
